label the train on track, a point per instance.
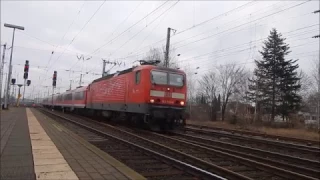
(146, 96)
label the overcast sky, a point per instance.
(208, 33)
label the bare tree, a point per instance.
(208, 92)
(315, 74)
(158, 54)
(208, 85)
(153, 54)
(240, 89)
(308, 85)
(191, 85)
(229, 78)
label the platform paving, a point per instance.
(16, 153)
(87, 161)
(34, 146)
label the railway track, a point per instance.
(203, 158)
(261, 135)
(149, 163)
(296, 150)
(303, 166)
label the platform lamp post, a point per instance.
(10, 62)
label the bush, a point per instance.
(233, 119)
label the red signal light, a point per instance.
(26, 68)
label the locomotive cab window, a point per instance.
(158, 77)
(176, 79)
(138, 77)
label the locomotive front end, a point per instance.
(167, 98)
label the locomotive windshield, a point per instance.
(175, 79)
(159, 77)
(163, 78)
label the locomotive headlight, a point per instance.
(181, 103)
(152, 100)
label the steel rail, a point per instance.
(203, 163)
(204, 168)
(255, 154)
(296, 147)
(245, 132)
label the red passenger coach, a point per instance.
(145, 95)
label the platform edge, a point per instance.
(125, 170)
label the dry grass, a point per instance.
(296, 133)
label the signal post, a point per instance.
(25, 77)
(54, 84)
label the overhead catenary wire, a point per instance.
(125, 19)
(245, 23)
(136, 54)
(225, 30)
(237, 52)
(62, 38)
(139, 44)
(117, 26)
(197, 25)
(79, 32)
(141, 30)
(257, 40)
(232, 22)
(100, 47)
(146, 27)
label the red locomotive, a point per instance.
(143, 95)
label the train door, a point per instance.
(137, 87)
(88, 97)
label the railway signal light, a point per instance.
(26, 70)
(28, 82)
(25, 75)
(13, 81)
(54, 79)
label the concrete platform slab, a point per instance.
(86, 160)
(16, 153)
(34, 147)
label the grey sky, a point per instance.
(230, 37)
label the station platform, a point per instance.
(34, 146)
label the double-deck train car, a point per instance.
(145, 95)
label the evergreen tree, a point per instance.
(276, 81)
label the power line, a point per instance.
(129, 28)
(233, 31)
(78, 33)
(257, 40)
(199, 24)
(216, 17)
(184, 31)
(43, 41)
(125, 19)
(225, 50)
(245, 23)
(206, 21)
(236, 52)
(66, 31)
(81, 29)
(146, 27)
(139, 44)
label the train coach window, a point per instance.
(176, 79)
(138, 77)
(78, 96)
(68, 97)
